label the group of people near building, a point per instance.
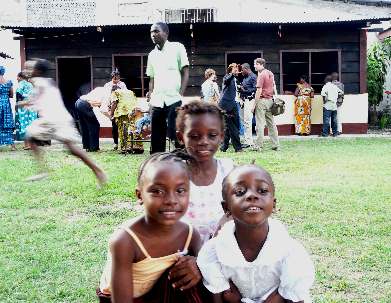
(241, 101)
(119, 104)
(206, 234)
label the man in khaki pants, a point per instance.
(263, 104)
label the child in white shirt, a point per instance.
(253, 258)
(54, 120)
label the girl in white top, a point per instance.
(253, 258)
(200, 127)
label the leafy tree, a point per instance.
(379, 58)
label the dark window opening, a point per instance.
(74, 79)
(293, 66)
(133, 72)
(322, 64)
(315, 65)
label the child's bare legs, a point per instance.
(99, 173)
(38, 156)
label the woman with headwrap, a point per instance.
(6, 117)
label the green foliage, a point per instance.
(385, 121)
(379, 58)
(333, 195)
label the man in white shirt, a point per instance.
(89, 124)
(168, 70)
(330, 93)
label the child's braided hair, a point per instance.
(177, 156)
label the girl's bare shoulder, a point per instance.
(121, 238)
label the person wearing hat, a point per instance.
(115, 81)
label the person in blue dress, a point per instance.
(6, 117)
(23, 116)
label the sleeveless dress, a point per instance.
(145, 272)
(205, 210)
(6, 117)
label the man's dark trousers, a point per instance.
(89, 125)
(232, 124)
(163, 124)
(114, 131)
(327, 115)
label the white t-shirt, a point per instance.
(205, 210)
(331, 92)
(282, 264)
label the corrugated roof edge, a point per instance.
(250, 22)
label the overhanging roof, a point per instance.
(82, 13)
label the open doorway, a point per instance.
(132, 68)
(74, 78)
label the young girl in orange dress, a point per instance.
(152, 257)
(304, 94)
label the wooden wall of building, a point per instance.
(206, 48)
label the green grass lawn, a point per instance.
(334, 195)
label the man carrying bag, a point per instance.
(263, 105)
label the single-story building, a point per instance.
(86, 39)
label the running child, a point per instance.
(54, 121)
(200, 127)
(253, 258)
(152, 257)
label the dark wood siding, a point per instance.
(206, 49)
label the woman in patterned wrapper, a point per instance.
(304, 95)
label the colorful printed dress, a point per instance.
(126, 116)
(304, 94)
(6, 117)
(23, 116)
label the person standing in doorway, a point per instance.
(266, 87)
(247, 93)
(168, 71)
(115, 81)
(335, 81)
